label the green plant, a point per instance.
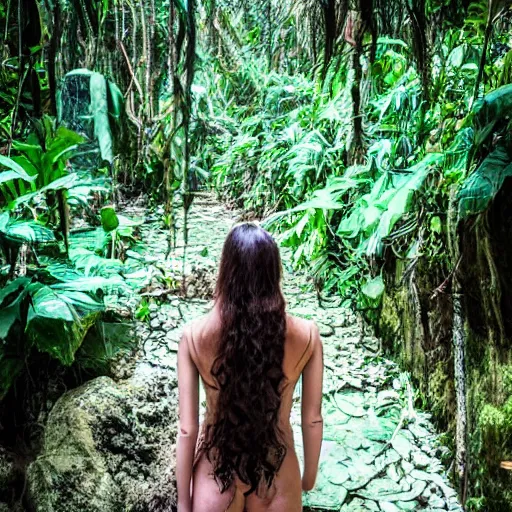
(51, 310)
(119, 232)
(143, 312)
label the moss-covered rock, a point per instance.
(7, 473)
(11, 479)
(416, 327)
(109, 447)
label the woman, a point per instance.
(250, 355)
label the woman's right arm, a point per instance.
(188, 388)
(312, 422)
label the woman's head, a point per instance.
(245, 440)
(250, 268)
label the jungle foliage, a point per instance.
(372, 135)
(63, 120)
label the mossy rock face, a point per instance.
(10, 478)
(7, 473)
(441, 394)
(109, 446)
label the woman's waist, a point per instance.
(284, 426)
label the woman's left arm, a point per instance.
(188, 389)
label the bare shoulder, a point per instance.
(194, 328)
(300, 327)
(302, 333)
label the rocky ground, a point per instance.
(112, 441)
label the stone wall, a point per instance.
(415, 324)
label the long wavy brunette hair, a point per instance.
(245, 439)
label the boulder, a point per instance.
(110, 447)
(10, 481)
(7, 472)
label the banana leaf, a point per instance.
(24, 231)
(480, 188)
(116, 101)
(401, 201)
(15, 168)
(327, 198)
(64, 183)
(375, 214)
(490, 109)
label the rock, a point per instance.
(436, 502)
(109, 447)
(402, 445)
(167, 325)
(386, 490)
(155, 324)
(392, 473)
(387, 506)
(407, 505)
(7, 473)
(453, 504)
(419, 459)
(11, 481)
(407, 467)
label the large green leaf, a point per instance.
(105, 342)
(81, 300)
(11, 297)
(374, 215)
(398, 201)
(374, 288)
(8, 176)
(116, 100)
(327, 198)
(12, 290)
(109, 219)
(490, 109)
(480, 188)
(64, 183)
(62, 143)
(54, 325)
(33, 152)
(16, 171)
(99, 108)
(92, 284)
(25, 231)
(8, 317)
(92, 264)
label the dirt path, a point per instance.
(379, 453)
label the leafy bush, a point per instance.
(51, 311)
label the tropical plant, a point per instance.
(51, 311)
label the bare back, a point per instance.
(302, 350)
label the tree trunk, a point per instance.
(459, 349)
